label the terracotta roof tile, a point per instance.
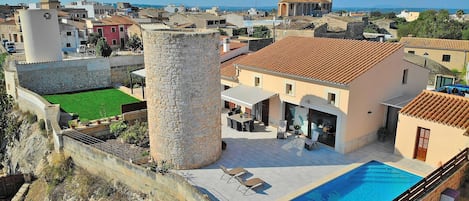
(331, 60)
(117, 20)
(435, 43)
(439, 107)
(227, 69)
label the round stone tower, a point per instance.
(184, 101)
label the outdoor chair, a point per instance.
(250, 183)
(233, 172)
(282, 130)
(239, 126)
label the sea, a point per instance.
(348, 9)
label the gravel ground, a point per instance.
(122, 150)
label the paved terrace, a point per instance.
(285, 165)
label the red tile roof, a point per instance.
(439, 107)
(117, 20)
(227, 69)
(331, 60)
(434, 43)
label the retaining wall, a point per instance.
(65, 76)
(158, 187)
(122, 65)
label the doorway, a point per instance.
(421, 145)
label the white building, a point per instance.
(174, 9)
(69, 37)
(95, 9)
(40, 33)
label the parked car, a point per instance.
(10, 46)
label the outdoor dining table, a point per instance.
(238, 119)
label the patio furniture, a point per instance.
(250, 183)
(313, 142)
(239, 126)
(233, 172)
(249, 126)
(282, 129)
(238, 121)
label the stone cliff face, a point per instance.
(26, 152)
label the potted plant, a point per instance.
(297, 129)
(382, 134)
(72, 123)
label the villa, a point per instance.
(345, 89)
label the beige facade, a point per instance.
(302, 7)
(358, 106)
(444, 142)
(457, 58)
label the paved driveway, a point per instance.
(284, 165)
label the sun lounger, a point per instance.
(250, 183)
(233, 172)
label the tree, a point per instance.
(222, 32)
(93, 38)
(465, 34)
(102, 48)
(459, 13)
(134, 42)
(261, 32)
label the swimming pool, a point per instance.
(371, 181)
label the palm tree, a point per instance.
(459, 13)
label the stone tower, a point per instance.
(184, 102)
(49, 4)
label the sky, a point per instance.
(455, 4)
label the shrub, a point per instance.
(57, 170)
(42, 124)
(135, 133)
(117, 128)
(85, 122)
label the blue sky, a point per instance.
(463, 4)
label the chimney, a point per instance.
(226, 45)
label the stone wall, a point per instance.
(453, 182)
(65, 76)
(158, 187)
(122, 65)
(183, 84)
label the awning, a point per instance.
(246, 96)
(140, 73)
(398, 102)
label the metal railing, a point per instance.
(435, 178)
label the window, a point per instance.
(210, 22)
(114, 42)
(100, 32)
(69, 33)
(68, 45)
(222, 21)
(257, 81)
(121, 29)
(289, 89)
(446, 58)
(113, 29)
(411, 52)
(84, 15)
(331, 98)
(404, 76)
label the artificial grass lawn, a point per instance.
(90, 104)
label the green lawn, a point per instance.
(92, 104)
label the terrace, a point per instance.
(285, 165)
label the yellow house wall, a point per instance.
(457, 61)
(370, 90)
(305, 94)
(444, 143)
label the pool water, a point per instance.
(371, 181)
